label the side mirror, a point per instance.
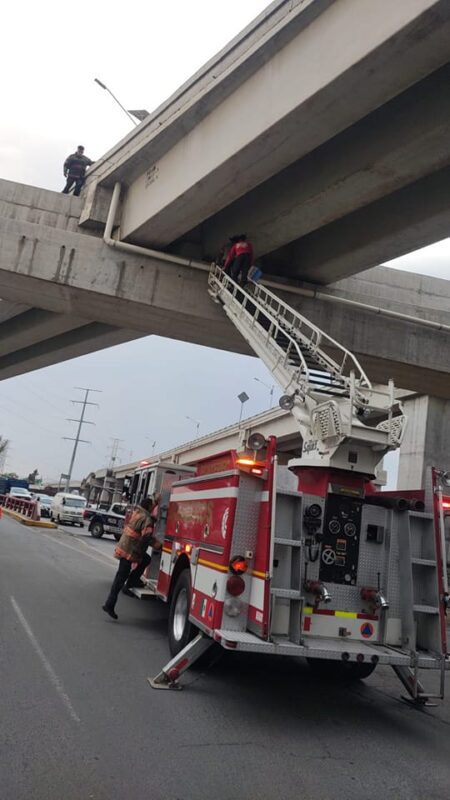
(64, 501)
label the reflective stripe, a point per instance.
(258, 574)
(211, 564)
(206, 494)
(132, 533)
(330, 613)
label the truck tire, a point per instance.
(181, 631)
(96, 530)
(340, 670)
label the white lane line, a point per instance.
(45, 662)
(107, 561)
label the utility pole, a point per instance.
(114, 447)
(80, 422)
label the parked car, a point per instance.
(45, 502)
(68, 507)
(108, 520)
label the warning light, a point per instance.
(188, 548)
(446, 505)
(144, 463)
(246, 462)
(256, 471)
(238, 565)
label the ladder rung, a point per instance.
(424, 609)
(290, 594)
(288, 542)
(424, 562)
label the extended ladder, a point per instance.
(310, 366)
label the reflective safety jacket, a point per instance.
(136, 536)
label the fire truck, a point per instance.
(306, 559)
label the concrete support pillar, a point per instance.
(427, 440)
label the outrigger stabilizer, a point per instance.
(169, 675)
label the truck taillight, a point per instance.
(235, 585)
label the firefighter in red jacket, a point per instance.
(239, 258)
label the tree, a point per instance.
(3, 444)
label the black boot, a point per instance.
(110, 611)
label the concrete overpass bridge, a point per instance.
(323, 130)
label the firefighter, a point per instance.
(75, 167)
(239, 258)
(131, 548)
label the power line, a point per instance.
(80, 422)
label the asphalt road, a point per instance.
(78, 720)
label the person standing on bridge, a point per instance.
(239, 258)
(75, 167)
(131, 549)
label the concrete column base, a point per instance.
(427, 440)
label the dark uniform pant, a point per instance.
(71, 179)
(240, 267)
(123, 577)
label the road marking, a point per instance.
(98, 558)
(45, 662)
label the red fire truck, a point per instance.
(308, 559)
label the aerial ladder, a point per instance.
(345, 423)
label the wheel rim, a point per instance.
(180, 614)
(97, 529)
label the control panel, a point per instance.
(340, 543)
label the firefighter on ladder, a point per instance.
(239, 258)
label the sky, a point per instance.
(51, 52)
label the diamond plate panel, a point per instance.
(244, 537)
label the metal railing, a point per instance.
(312, 337)
(27, 508)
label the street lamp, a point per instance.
(270, 388)
(196, 423)
(242, 397)
(153, 443)
(135, 122)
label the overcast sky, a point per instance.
(50, 54)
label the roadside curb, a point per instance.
(31, 523)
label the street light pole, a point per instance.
(197, 425)
(242, 397)
(103, 86)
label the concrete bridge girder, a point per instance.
(396, 145)
(227, 153)
(131, 296)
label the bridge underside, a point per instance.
(66, 294)
(342, 169)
